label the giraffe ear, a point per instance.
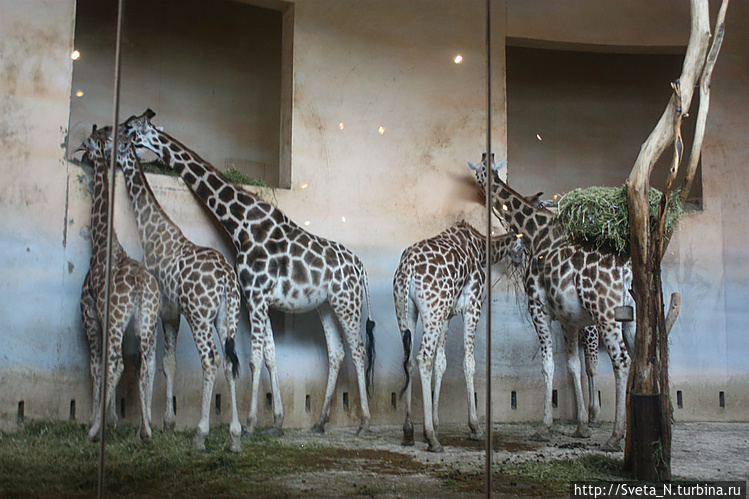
(149, 113)
(472, 165)
(499, 165)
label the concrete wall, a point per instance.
(372, 64)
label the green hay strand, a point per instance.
(599, 216)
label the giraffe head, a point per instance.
(96, 146)
(480, 170)
(140, 131)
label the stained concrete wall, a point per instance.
(372, 64)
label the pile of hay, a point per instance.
(600, 216)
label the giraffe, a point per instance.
(196, 282)
(439, 278)
(134, 295)
(576, 285)
(280, 265)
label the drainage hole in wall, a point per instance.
(679, 399)
(174, 404)
(599, 399)
(345, 401)
(514, 400)
(21, 409)
(122, 407)
(393, 401)
(307, 403)
(71, 416)
(218, 404)
(722, 399)
(554, 399)
(475, 399)
(269, 400)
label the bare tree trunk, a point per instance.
(648, 443)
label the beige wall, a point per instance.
(368, 64)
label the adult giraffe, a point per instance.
(196, 282)
(438, 278)
(282, 266)
(576, 285)
(134, 296)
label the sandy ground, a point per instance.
(378, 465)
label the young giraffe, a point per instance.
(196, 282)
(280, 265)
(575, 285)
(134, 294)
(439, 278)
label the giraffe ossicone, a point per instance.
(438, 278)
(134, 296)
(578, 286)
(282, 266)
(195, 281)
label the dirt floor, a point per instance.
(378, 465)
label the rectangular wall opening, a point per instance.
(577, 117)
(217, 74)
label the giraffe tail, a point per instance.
(231, 353)
(406, 359)
(370, 339)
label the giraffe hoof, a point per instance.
(609, 447)
(273, 431)
(478, 437)
(541, 436)
(437, 448)
(363, 432)
(169, 426)
(235, 446)
(318, 428)
(407, 442)
(199, 443)
(583, 432)
(594, 424)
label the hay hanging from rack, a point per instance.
(600, 216)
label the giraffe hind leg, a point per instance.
(336, 353)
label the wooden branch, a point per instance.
(701, 122)
(673, 312)
(638, 187)
(665, 196)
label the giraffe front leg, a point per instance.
(542, 323)
(170, 324)
(209, 360)
(573, 366)
(611, 334)
(271, 364)
(256, 361)
(590, 348)
(336, 353)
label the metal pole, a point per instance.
(489, 198)
(110, 232)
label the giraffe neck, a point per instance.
(233, 207)
(155, 228)
(501, 246)
(535, 224)
(99, 210)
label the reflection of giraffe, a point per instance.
(134, 294)
(438, 278)
(280, 265)
(196, 282)
(575, 285)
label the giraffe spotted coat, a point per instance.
(438, 278)
(134, 296)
